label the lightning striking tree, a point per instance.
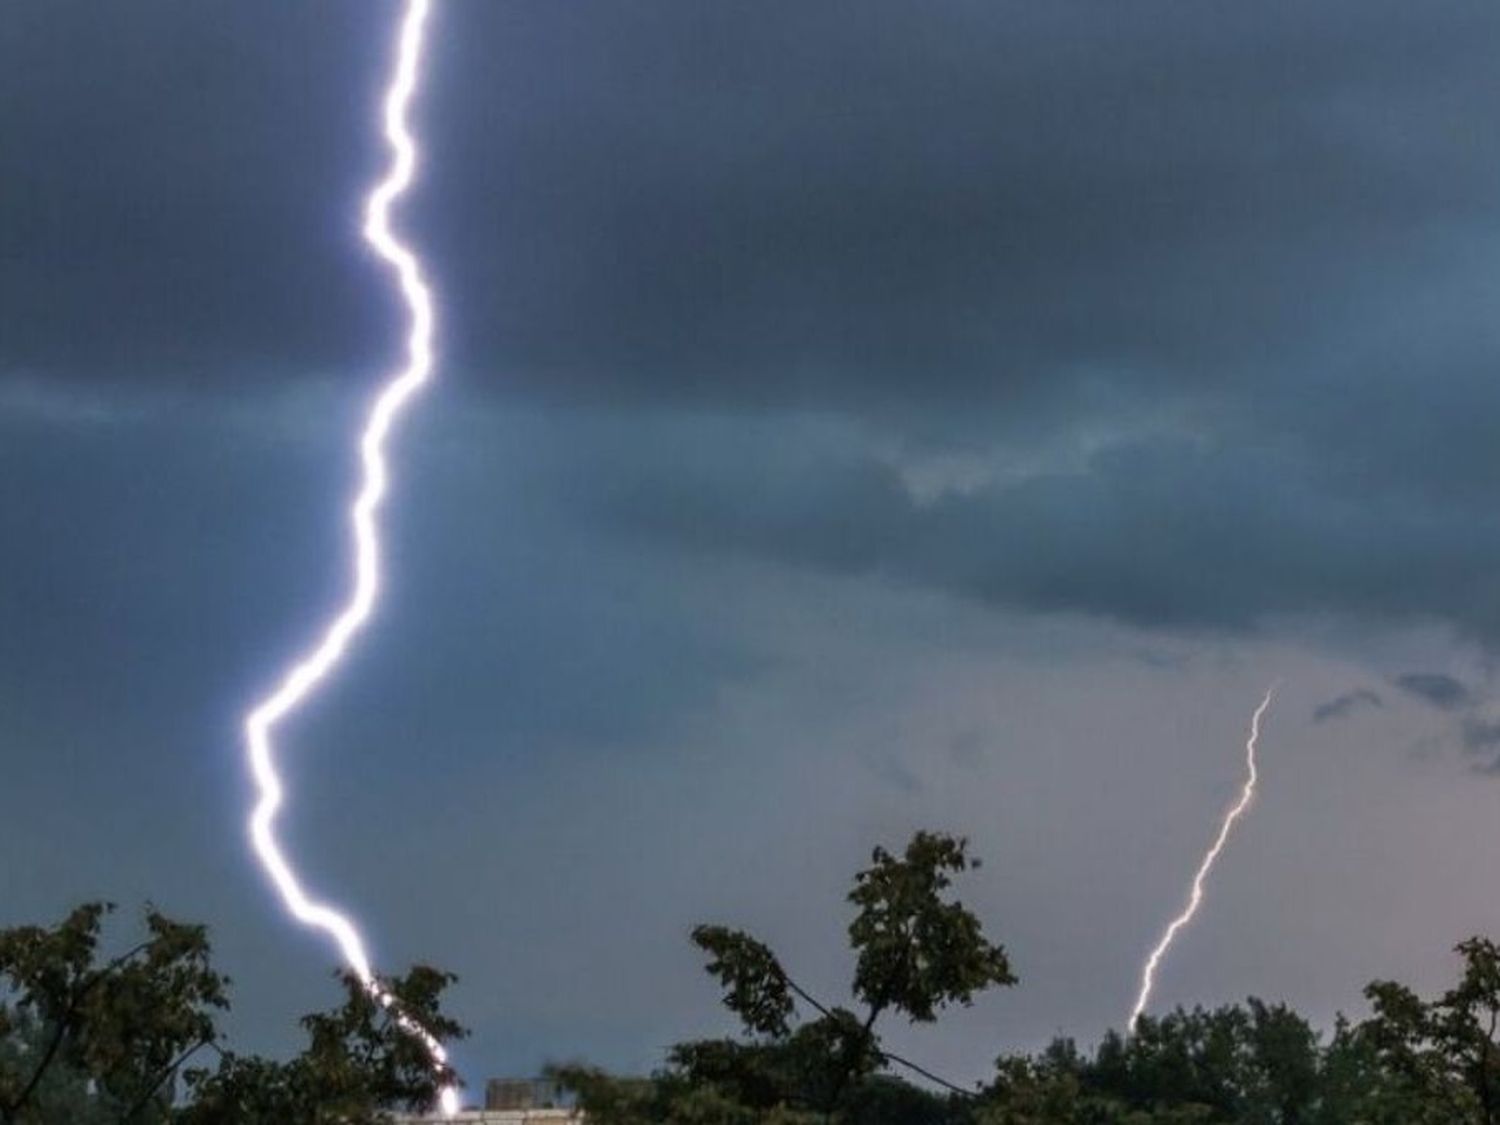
(310, 669)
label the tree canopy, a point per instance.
(136, 1037)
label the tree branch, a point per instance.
(886, 1056)
(169, 1070)
(62, 1026)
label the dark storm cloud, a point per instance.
(747, 201)
(1258, 240)
(956, 203)
(1160, 533)
(179, 184)
(1436, 688)
(1342, 706)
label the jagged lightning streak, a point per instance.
(316, 663)
(1195, 899)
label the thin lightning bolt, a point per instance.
(1195, 899)
(318, 662)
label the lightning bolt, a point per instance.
(1195, 899)
(314, 665)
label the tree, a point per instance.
(1355, 1085)
(83, 1039)
(1253, 1065)
(63, 1093)
(359, 1062)
(124, 1026)
(916, 953)
(1442, 1057)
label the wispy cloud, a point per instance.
(1436, 688)
(28, 398)
(1342, 706)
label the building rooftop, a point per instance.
(496, 1117)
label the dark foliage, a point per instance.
(916, 952)
(1411, 1062)
(85, 1039)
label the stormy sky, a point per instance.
(852, 417)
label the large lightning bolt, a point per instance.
(1195, 899)
(314, 665)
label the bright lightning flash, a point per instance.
(1195, 899)
(316, 663)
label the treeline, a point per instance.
(89, 1037)
(801, 1061)
(1253, 1064)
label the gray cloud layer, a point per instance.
(1228, 272)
